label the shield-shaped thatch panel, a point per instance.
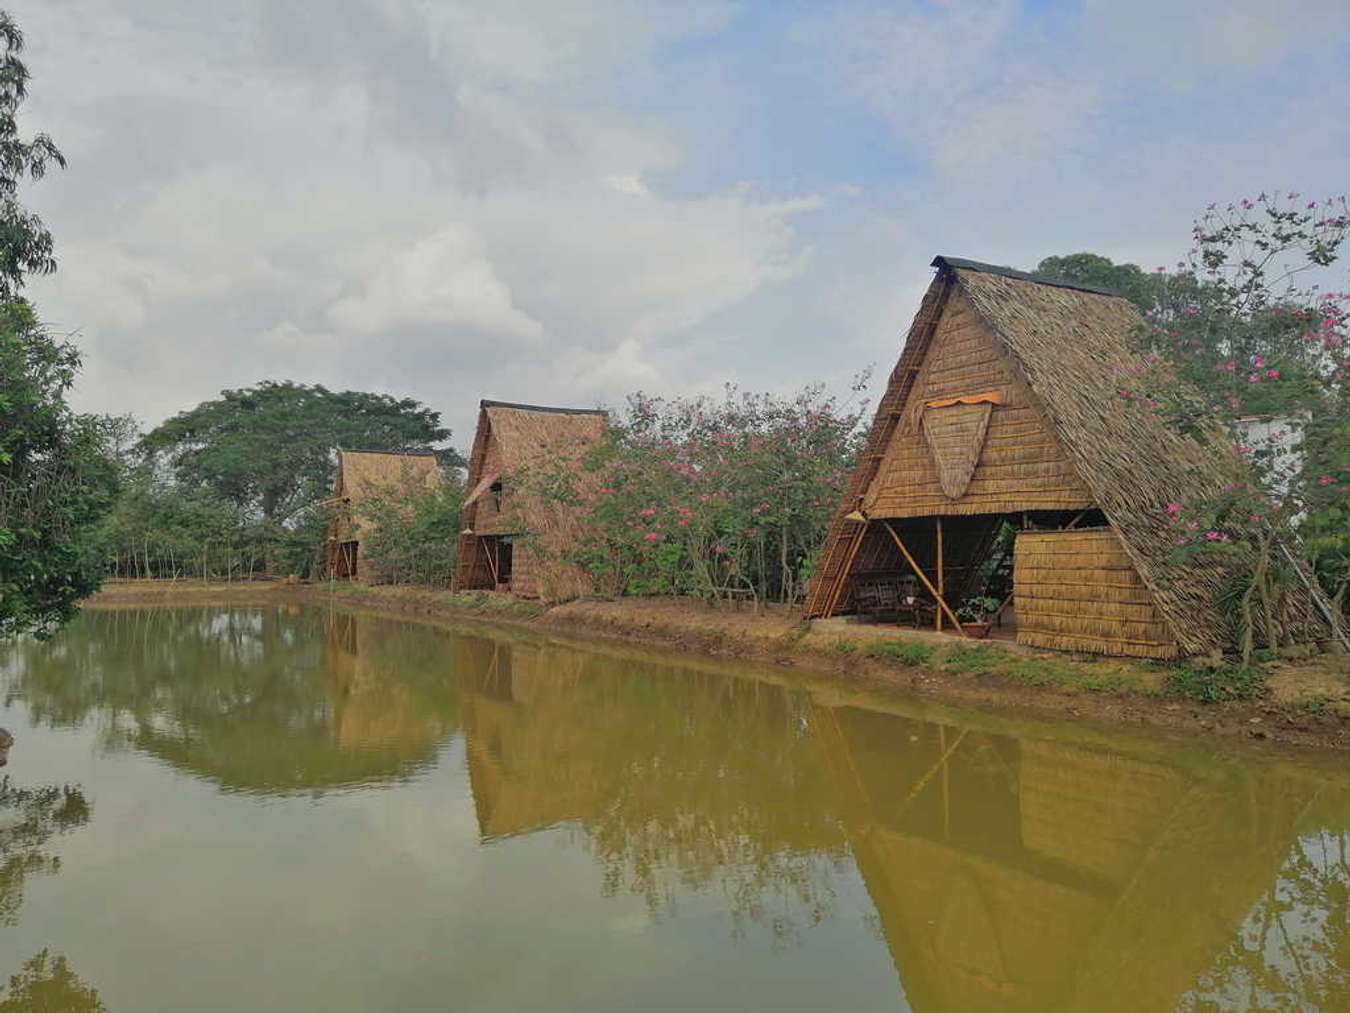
(955, 436)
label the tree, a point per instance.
(55, 477)
(268, 449)
(25, 244)
(1101, 272)
(1245, 328)
(57, 480)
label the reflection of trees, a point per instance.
(1292, 951)
(256, 700)
(676, 779)
(29, 818)
(47, 984)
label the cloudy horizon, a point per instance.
(561, 203)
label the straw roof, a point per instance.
(360, 471)
(515, 438)
(1072, 346)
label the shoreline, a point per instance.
(1308, 707)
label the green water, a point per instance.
(292, 809)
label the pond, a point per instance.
(292, 808)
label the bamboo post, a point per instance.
(941, 582)
(837, 591)
(904, 551)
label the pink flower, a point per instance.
(1211, 536)
(1254, 378)
(720, 549)
(1272, 374)
(1174, 508)
(1254, 519)
(647, 512)
(651, 536)
(1258, 361)
(1192, 525)
(1325, 480)
(682, 523)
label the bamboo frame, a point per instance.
(941, 577)
(836, 592)
(942, 605)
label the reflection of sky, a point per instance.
(178, 896)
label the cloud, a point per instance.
(442, 280)
(560, 202)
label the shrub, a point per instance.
(1216, 685)
(904, 652)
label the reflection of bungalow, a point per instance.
(1005, 410)
(362, 475)
(1025, 875)
(514, 536)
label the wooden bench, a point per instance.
(893, 599)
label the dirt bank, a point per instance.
(1308, 703)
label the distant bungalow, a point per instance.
(513, 538)
(361, 474)
(1005, 409)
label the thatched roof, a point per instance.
(524, 437)
(1074, 346)
(362, 470)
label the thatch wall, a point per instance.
(512, 443)
(1079, 591)
(360, 475)
(1018, 465)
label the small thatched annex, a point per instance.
(360, 474)
(1005, 409)
(514, 539)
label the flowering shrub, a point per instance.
(1244, 330)
(705, 497)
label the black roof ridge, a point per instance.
(486, 403)
(952, 263)
(388, 453)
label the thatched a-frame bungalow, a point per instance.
(1005, 409)
(514, 539)
(361, 473)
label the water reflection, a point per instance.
(29, 819)
(1008, 873)
(999, 868)
(47, 983)
(268, 701)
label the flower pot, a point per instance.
(978, 631)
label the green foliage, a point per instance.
(702, 496)
(975, 608)
(1100, 272)
(25, 244)
(846, 646)
(1217, 685)
(906, 652)
(268, 449)
(57, 479)
(46, 982)
(412, 531)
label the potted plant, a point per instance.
(975, 613)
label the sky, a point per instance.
(561, 202)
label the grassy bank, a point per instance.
(1305, 703)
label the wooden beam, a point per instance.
(492, 563)
(837, 591)
(924, 577)
(941, 575)
(1074, 523)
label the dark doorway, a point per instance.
(503, 561)
(343, 566)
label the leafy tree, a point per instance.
(25, 244)
(703, 496)
(57, 479)
(1101, 272)
(412, 531)
(268, 449)
(1245, 327)
(45, 983)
